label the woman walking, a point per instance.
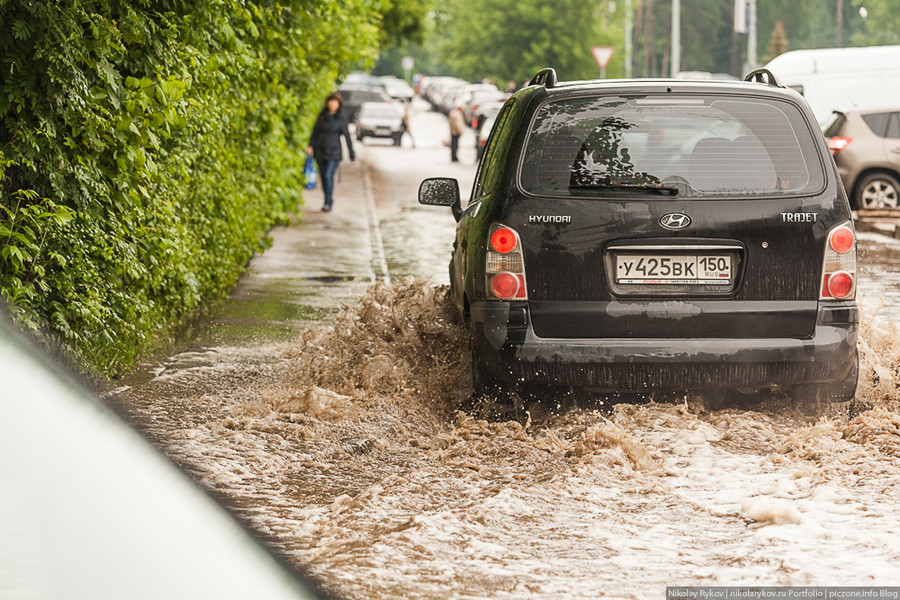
(325, 144)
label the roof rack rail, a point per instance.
(763, 76)
(545, 77)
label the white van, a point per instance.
(841, 78)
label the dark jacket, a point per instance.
(326, 137)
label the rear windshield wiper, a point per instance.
(669, 188)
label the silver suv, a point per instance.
(866, 149)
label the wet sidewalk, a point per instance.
(314, 265)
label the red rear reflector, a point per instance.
(836, 144)
(503, 240)
(505, 285)
(842, 240)
(840, 284)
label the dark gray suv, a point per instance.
(656, 236)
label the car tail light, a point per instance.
(505, 285)
(504, 240)
(838, 143)
(839, 272)
(505, 265)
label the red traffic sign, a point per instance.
(603, 54)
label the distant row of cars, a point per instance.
(358, 88)
(376, 105)
(480, 103)
(477, 100)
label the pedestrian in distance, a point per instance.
(404, 127)
(325, 144)
(457, 128)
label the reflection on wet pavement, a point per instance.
(879, 267)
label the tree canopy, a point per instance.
(146, 148)
(501, 40)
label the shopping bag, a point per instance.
(309, 172)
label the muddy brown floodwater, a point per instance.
(354, 451)
(351, 446)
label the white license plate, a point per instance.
(683, 269)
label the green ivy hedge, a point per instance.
(146, 149)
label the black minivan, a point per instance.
(657, 236)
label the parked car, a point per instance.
(436, 89)
(397, 89)
(380, 120)
(485, 112)
(866, 148)
(355, 95)
(91, 511)
(841, 78)
(362, 79)
(656, 236)
(483, 133)
(472, 100)
(469, 93)
(705, 75)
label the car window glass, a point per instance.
(488, 168)
(381, 111)
(893, 128)
(706, 146)
(99, 513)
(837, 122)
(877, 122)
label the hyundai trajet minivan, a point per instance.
(657, 236)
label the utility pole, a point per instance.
(676, 38)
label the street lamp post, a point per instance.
(840, 23)
(751, 37)
(676, 38)
(629, 48)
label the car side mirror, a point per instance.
(441, 191)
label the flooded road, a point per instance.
(340, 429)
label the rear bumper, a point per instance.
(380, 132)
(510, 352)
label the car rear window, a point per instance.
(691, 145)
(380, 111)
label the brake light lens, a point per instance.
(839, 271)
(840, 285)
(505, 285)
(838, 143)
(504, 240)
(841, 240)
(505, 265)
